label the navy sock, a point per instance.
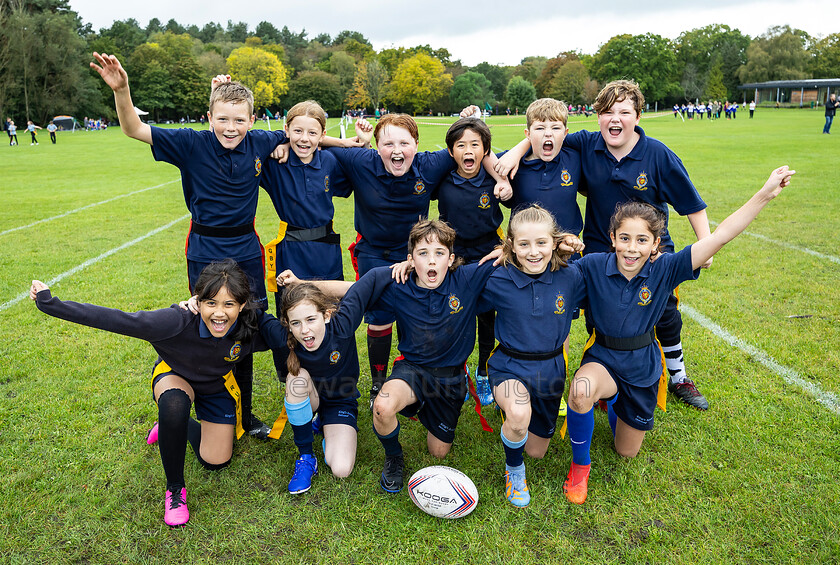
(300, 417)
(391, 442)
(514, 450)
(580, 434)
(379, 352)
(173, 414)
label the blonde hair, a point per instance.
(618, 91)
(295, 295)
(546, 110)
(234, 92)
(309, 109)
(534, 214)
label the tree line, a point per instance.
(45, 49)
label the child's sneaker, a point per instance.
(391, 479)
(482, 388)
(576, 484)
(306, 467)
(152, 438)
(175, 511)
(516, 488)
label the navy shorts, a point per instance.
(543, 410)
(254, 269)
(217, 408)
(635, 405)
(344, 411)
(440, 396)
(367, 262)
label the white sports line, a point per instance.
(85, 208)
(826, 398)
(90, 262)
(790, 246)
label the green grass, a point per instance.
(752, 480)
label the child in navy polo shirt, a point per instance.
(621, 164)
(197, 355)
(626, 294)
(468, 202)
(392, 187)
(528, 367)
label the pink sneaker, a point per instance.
(152, 438)
(175, 508)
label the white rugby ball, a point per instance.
(443, 492)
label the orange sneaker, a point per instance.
(577, 483)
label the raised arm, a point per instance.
(333, 288)
(741, 218)
(112, 72)
(509, 162)
(700, 224)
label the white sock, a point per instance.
(674, 363)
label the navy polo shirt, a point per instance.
(553, 185)
(437, 326)
(470, 207)
(533, 315)
(651, 173)
(220, 185)
(334, 366)
(387, 206)
(622, 308)
(302, 196)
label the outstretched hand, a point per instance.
(111, 71)
(219, 79)
(37, 286)
(779, 179)
(364, 131)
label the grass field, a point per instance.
(752, 480)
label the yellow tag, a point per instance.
(271, 258)
(279, 424)
(233, 389)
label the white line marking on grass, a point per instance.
(90, 262)
(824, 397)
(790, 246)
(85, 208)
(438, 146)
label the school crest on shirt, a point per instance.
(559, 304)
(454, 304)
(644, 296)
(233, 355)
(334, 357)
(484, 201)
(641, 181)
(257, 166)
(566, 178)
(326, 183)
(419, 187)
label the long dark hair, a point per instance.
(227, 274)
(294, 295)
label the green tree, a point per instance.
(715, 89)
(530, 68)
(267, 32)
(569, 83)
(343, 66)
(470, 88)
(692, 83)
(825, 57)
(237, 32)
(543, 82)
(519, 94)
(497, 75)
(779, 54)
(419, 82)
(369, 85)
(648, 59)
(346, 35)
(126, 35)
(260, 71)
(322, 87)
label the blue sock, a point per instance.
(611, 414)
(513, 450)
(580, 434)
(300, 417)
(391, 442)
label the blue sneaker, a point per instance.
(306, 467)
(482, 387)
(317, 426)
(516, 488)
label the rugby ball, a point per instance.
(443, 492)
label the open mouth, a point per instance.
(431, 275)
(469, 163)
(630, 261)
(397, 162)
(615, 131)
(547, 147)
(218, 326)
(309, 342)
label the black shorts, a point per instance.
(440, 396)
(217, 408)
(366, 262)
(635, 405)
(254, 269)
(344, 411)
(543, 410)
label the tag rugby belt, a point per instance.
(530, 356)
(221, 231)
(321, 234)
(626, 343)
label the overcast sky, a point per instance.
(493, 31)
